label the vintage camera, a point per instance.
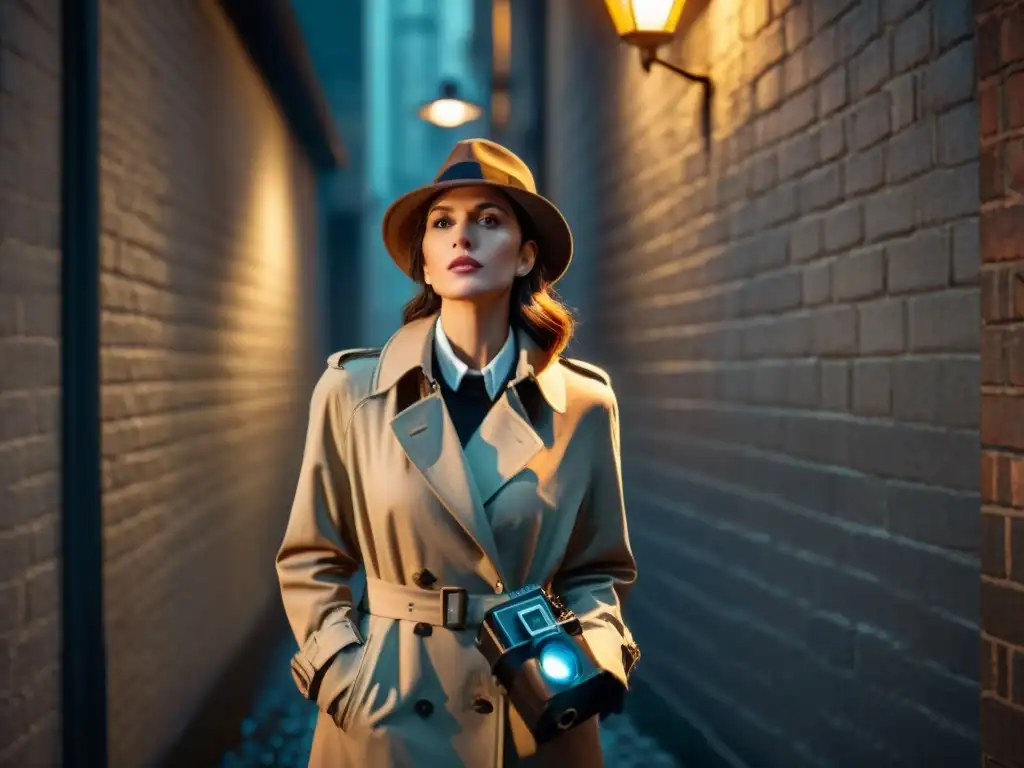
(545, 665)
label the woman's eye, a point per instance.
(441, 223)
(488, 220)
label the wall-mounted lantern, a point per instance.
(650, 24)
(449, 110)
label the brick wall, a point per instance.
(1000, 63)
(29, 380)
(208, 355)
(791, 324)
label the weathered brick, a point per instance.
(881, 327)
(902, 92)
(937, 391)
(817, 284)
(764, 172)
(821, 188)
(957, 135)
(769, 50)
(806, 239)
(832, 93)
(768, 89)
(1013, 100)
(1014, 154)
(988, 45)
(822, 53)
(988, 109)
(911, 41)
(798, 155)
(953, 23)
(835, 385)
(909, 153)
(993, 547)
(858, 27)
(894, 10)
(999, 228)
(859, 275)
(871, 120)
(843, 227)
(919, 262)
(824, 12)
(871, 68)
(833, 138)
(947, 322)
(932, 515)
(864, 171)
(834, 331)
(1002, 612)
(889, 212)
(797, 22)
(754, 16)
(948, 80)
(948, 194)
(872, 387)
(1017, 575)
(990, 173)
(1013, 35)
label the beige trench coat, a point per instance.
(387, 492)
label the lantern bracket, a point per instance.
(649, 57)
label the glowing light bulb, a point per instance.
(558, 663)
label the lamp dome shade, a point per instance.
(448, 110)
(645, 23)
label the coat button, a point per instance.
(423, 629)
(424, 708)
(424, 578)
(483, 706)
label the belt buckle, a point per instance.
(453, 611)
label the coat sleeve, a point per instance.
(319, 555)
(599, 568)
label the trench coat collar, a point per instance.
(412, 346)
(465, 479)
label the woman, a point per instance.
(466, 453)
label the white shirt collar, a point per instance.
(453, 369)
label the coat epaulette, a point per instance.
(338, 359)
(587, 369)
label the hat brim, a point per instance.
(550, 229)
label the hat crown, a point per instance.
(486, 161)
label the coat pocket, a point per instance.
(388, 678)
(358, 670)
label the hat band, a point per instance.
(472, 171)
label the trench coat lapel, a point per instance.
(503, 444)
(465, 480)
(429, 439)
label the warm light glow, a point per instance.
(449, 113)
(645, 23)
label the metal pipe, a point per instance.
(83, 660)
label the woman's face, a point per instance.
(472, 247)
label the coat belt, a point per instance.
(449, 607)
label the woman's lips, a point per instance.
(464, 264)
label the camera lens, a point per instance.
(558, 662)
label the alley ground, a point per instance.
(279, 729)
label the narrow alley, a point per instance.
(279, 729)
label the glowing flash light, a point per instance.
(558, 663)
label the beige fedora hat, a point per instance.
(473, 162)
